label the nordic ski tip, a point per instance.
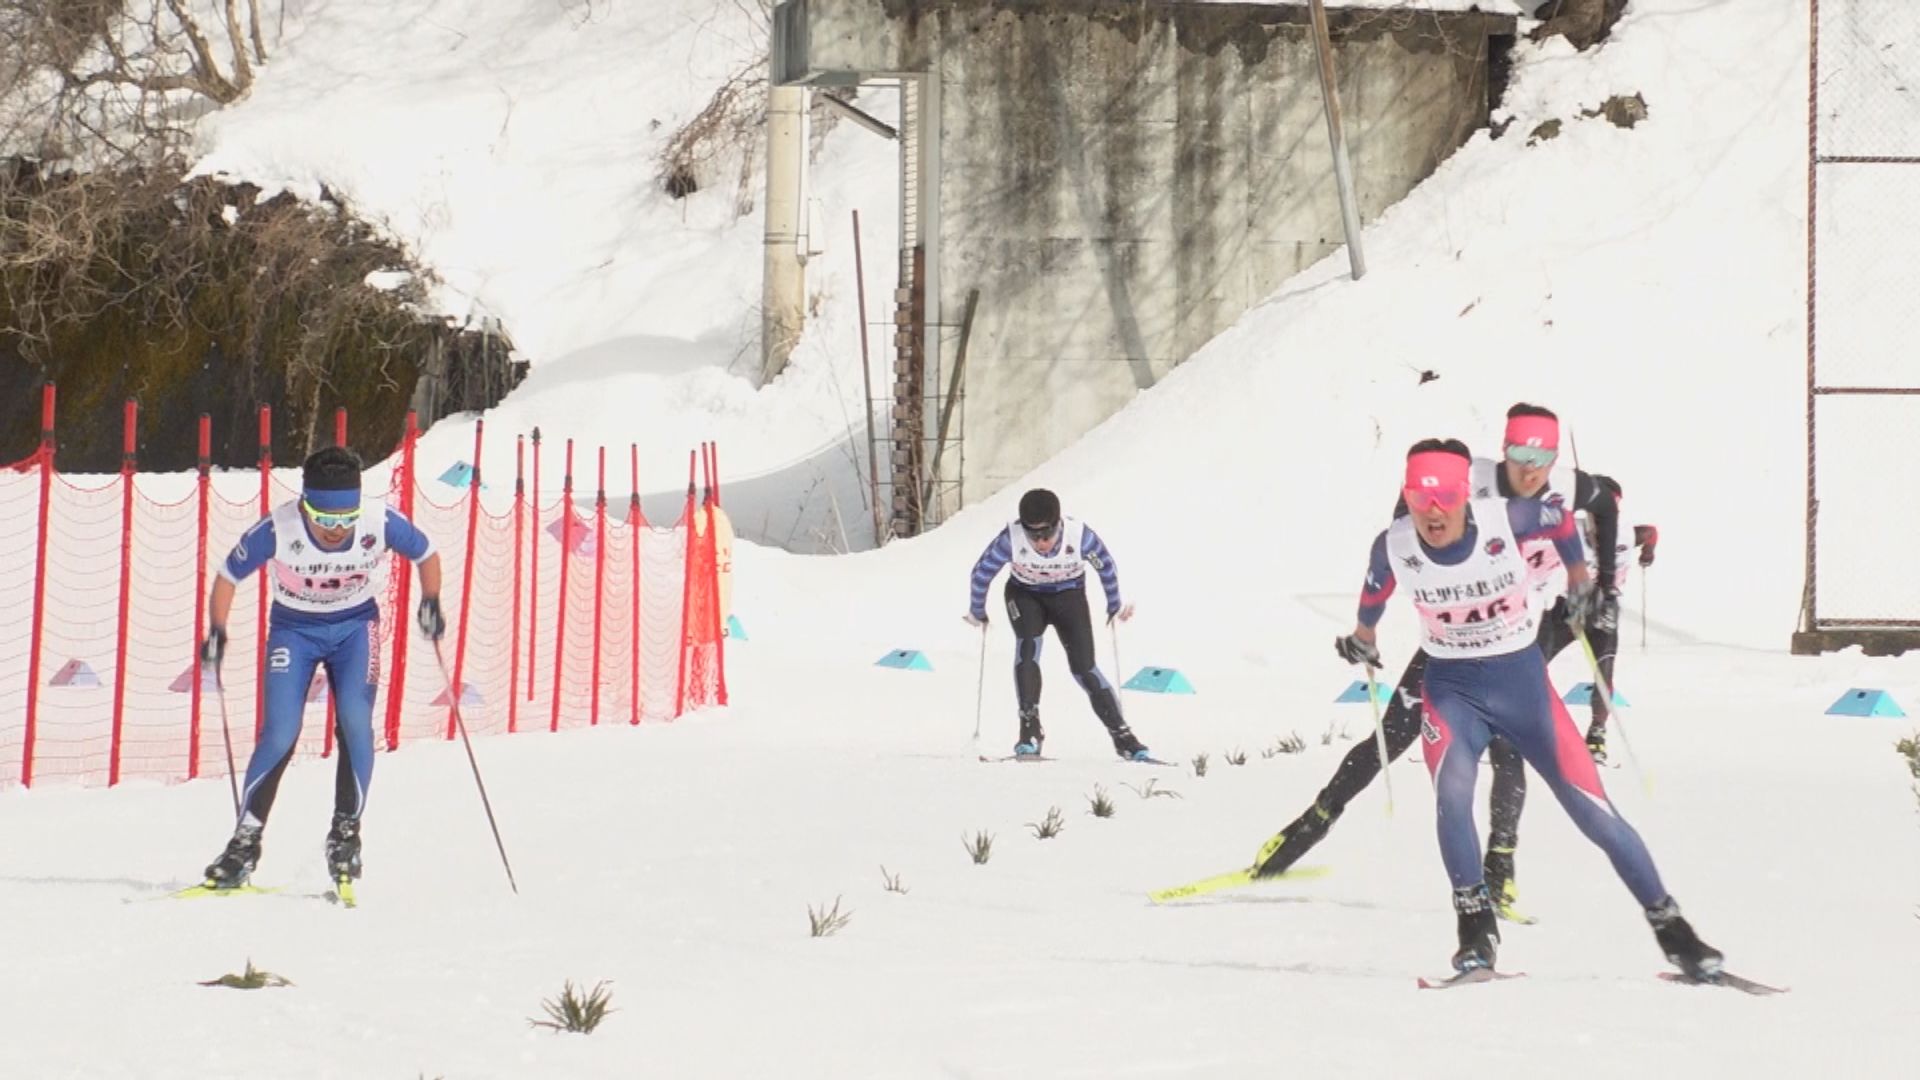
(1470, 978)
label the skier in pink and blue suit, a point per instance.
(1460, 560)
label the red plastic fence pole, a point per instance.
(566, 561)
(533, 589)
(266, 508)
(38, 634)
(202, 485)
(519, 532)
(713, 578)
(686, 595)
(397, 690)
(130, 418)
(340, 426)
(599, 579)
(635, 522)
(466, 582)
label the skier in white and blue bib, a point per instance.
(326, 556)
(1463, 561)
(1049, 555)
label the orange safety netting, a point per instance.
(621, 623)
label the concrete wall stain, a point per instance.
(1123, 179)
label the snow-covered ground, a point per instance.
(1646, 283)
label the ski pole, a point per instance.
(226, 736)
(980, 686)
(1113, 631)
(453, 706)
(1602, 686)
(1380, 736)
(1643, 609)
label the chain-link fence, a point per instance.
(1863, 303)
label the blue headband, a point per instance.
(332, 500)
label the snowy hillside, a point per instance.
(514, 146)
(1645, 283)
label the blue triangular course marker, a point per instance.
(74, 672)
(469, 695)
(1582, 694)
(904, 659)
(459, 474)
(1159, 680)
(1357, 692)
(1857, 702)
(735, 632)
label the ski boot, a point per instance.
(1597, 743)
(1128, 745)
(235, 865)
(1498, 873)
(1479, 932)
(343, 847)
(1030, 734)
(1281, 852)
(1695, 958)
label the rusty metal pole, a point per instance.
(1336, 135)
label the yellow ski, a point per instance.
(343, 892)
(206, 889)
(1232, 880)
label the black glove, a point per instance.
(1606, 609)
(214, 649)
(432, 623)
(1581, 603)
(1355, 650)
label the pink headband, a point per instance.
(1539, 432)
(1437, 471)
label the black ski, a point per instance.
(1725, 978)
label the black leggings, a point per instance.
(1031, 612)
(1402, 726)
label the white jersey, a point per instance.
(304, 578)
(1067, 561)
(1622, 551)
(1549, 576)
(1485, 605)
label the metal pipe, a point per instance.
(1336, 134)
(783, 305)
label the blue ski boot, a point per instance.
(1030, 734)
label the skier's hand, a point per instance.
(1606, 610)
(1647, 537)
(1581, 604)
(976, 618)
(432, 623)
(214, 649)
(1119, 614)
(1355, 649)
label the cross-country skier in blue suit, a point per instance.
(326, 555)
(1049, 555)
(1460, 560)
